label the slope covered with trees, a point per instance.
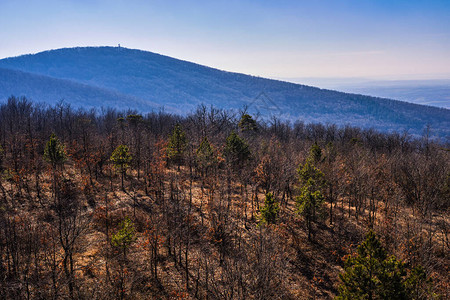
(213, 205)
(179, 86)
(51, 90)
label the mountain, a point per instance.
(147, 81)
(51, 90)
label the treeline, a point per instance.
(113, 204)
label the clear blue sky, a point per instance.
(393, 39)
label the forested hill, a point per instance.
(51, 90)
(147, 81)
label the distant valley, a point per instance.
(425, 92)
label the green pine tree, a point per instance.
(269, 212)
(125, 236)
(54, 151)
(418, 285)
(177, 145)
(121, 159)
(372, 274)
(315, 153)
(134, 120)
(55, 154)
(236, 150)
(309, 204)
(123, 239)
(310, 201)
(247, 123)
(206, 157)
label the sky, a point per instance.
(381, 39)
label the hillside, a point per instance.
(180, 86)
(95, 206)
(51, 90)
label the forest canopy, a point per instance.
(121, 205)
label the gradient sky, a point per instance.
(389, 39)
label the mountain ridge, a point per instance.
(147, 80)
(52, 90)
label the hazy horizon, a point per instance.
(308, 80)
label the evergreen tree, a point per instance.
(315, 153)
(55, 154)
(419, 285)
(372, 274)
(121, 159)
(134, 120)
(125, 236)
(247, 123)
(309, 171)
(269, 212)
(310, 201)
(309, 204)
(236, 150)
(123, 239)
(205, 155)
(177, 145)
(54, 151)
